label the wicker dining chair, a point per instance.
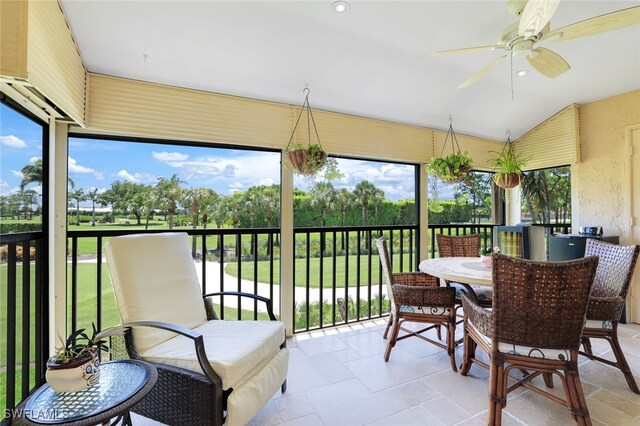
(417, 297)
(464, 246)
(534, 327)
(613, 277)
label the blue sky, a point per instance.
(97, 163)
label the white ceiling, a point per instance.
(373, 61)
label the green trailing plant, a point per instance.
(508, 167)
(307, 161)
(487, 251)
(451, 169)
(79, 345)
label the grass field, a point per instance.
(247, 270)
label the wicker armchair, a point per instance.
(464, 246)
(613, 277)
(417, 297)
(210, 371)
(534, 327)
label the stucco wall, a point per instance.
(600, 182)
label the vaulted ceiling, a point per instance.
(374, 60)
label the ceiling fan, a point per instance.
(533, 27)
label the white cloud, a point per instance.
(12, 141)
(236, 185)
(75, 168)
(34, 159)
(137, 177)
(169, 157)
(17, 174)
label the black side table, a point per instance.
(122, 384)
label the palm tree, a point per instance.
(32, 173)
(363, 193)
(77, 195)
(195, 200)
(93, 196)
(168, 193)
(377, 198)
(343, 201)
(323, 194)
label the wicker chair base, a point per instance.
(182, 397)
(611, 336)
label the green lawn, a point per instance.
(247, 269)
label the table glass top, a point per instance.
(460, 269)
(119, 380)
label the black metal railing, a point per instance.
(90, 294)
(24, 317)
(338, 276)
(485, 231)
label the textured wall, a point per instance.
(600, 183)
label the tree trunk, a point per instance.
(77, 213)
(93, 213)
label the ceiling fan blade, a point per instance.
(610, 21)
(477, 76)
(470, 49)
(535, 16)
(548, 62)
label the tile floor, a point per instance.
(339, 377)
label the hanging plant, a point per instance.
(309, 160)
(508, 166)
(454, 167)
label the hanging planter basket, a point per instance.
(309, 160)
(507, 180)
(306, 161)
(455, 167)
(508, 166)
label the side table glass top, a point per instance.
(119, 381)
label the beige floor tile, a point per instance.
(349, 403)
(608, 414)
(536, 410)
(330, 368)
(291, 407)
(310, 420)
(446, 411)
(482, 418)
(614, 401)
(346, 355)
(303, 375)
(467, 391)
(409, 394)
(606, 377)
(376, 374)
(414, 416)
(268, 416)
(319, 345)
(365, 344)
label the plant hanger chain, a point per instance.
(506, 144)
(310, 120)
(453, 138)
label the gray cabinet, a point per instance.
(571, 246)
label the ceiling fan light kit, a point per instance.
(521, 38)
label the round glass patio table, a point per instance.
(463, 270)
(122, 384)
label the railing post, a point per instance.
(423, 213)
(287, 260)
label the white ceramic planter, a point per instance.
(74, 376)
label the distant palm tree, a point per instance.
(33, 173)
(168, 193)
(364, 192)
(343, 201)
(196, 201)
(93, 196)
(77, 195)
(324, 195)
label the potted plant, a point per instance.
(76, 365)
(306, 161)
(485, 255)
(451, 169)
(508, 167)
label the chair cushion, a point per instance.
(483, 292)
(154, 279)
(510, 348)
(431, 310)
(607, 325)
(235, 349)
